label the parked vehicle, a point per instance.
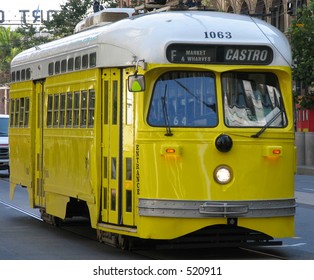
(4, 143)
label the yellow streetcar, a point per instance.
(172, 126)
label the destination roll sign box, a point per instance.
(219, 54)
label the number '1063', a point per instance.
(217, 35)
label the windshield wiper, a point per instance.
(165, 113)
(211, 106)
(267, 125)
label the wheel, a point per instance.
(124, 242)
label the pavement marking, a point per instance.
(293, 245)
(21, 210)
(304, 198)
(308, 189)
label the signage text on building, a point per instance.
(21, 17)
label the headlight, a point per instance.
(223, 174)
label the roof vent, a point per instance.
(103, 17)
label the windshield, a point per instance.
(252, 100)
(4, 125)
(184, 99)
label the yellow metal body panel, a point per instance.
(39, 192)
(120, 159)
(70, 158)
(169, 228)
(195, 167)
(111, 146)
(117, 151)
(22, 143)
(188, 173)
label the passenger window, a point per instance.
(26, 116)
(23, 75)
(49, 111)
(63, 66)
(70, 64)
(91, 108)
(83, 108)
(57, 67)
(18, 75)
(50, 68)
(17, 110)
(28, 74)
(69, 112)
(62, 109)
(85, 61)
(22, 100)
(13, 76)
(12, 102)
(56, 110)
(78, 63)
(76, 112)
(92, 60)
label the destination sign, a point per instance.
(223, 54)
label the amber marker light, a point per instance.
(273, 151)
(276, 152)
(170, 150)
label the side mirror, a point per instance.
(136, 83)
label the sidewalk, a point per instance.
(305, 170)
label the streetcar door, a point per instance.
(111, 147)
(39, 196)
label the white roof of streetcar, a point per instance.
(147, 36)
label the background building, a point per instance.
(4, 98)
(276, 12)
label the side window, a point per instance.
(85, 61)
(78, 63)
(83, 108)
(12, 107)
(92, 60)
(28, 74)
(56, 110)
(18, 75)
(76, 109)
(70, 64)
(23, 74)
(49, 111)
(50, 68)
(91, 108)
(63, 66)
(26, 116)
(57, 67)
(17, 110)
(22, 109)
(69, 109)
(62, 109)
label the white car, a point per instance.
(4, 143)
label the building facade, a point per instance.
(4, 99)
(276, 12)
